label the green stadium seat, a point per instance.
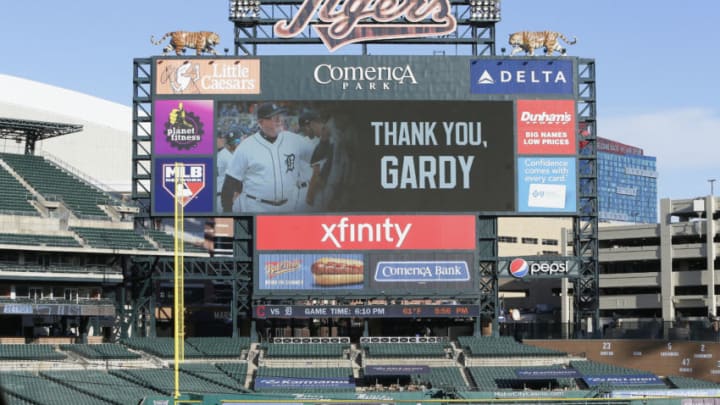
(108, 238)
(104, 351)
(100, 384)
(53, 182)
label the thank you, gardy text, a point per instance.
(427, 171)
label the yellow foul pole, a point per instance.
(179, 279)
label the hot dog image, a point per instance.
(332, 271)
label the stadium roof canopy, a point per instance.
(32, 131)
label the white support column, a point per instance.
(667, 288)
(566, 302)
(711, 253)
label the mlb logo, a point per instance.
(191, 180)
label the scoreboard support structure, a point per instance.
(585, 226)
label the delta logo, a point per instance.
(521, 76)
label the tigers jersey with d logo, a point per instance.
(269, 171)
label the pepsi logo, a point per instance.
(519, 268)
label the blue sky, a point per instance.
(656, 65)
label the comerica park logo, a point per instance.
(192, 180)
(520, 268)
(183, 129)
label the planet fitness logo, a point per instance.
(519, 268)
(183, 129)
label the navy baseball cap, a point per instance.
(269, 110)
(308, 116)
(233, 139)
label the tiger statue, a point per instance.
(201, 41)
(529, 41)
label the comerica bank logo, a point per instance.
(364, 77)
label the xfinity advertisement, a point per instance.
(365, 254)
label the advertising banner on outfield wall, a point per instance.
(289, 382)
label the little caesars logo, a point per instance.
(344, 22)
(364, 77)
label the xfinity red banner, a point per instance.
(546, 127)
(365, 232)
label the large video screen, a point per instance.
(385, 134)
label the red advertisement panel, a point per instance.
(365, 232)
(546, 127)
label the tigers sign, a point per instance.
(345, 22)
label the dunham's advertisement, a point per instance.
(374, 156)
(546, 127)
